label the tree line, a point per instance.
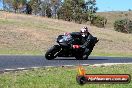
(79, 11)
(36, 7)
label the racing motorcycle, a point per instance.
(70, 45)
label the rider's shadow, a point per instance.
(76, 59)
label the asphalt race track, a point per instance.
(27, 61)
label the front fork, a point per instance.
(56, 54)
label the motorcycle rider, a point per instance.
(88, 40)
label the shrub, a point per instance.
(123, 25)
(98, 21)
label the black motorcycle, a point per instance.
(71, 46)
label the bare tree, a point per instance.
(44, 5)
(55, 5)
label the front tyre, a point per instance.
(52, 52)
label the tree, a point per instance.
(23, 2)
(35, 5)
(28, 9)
(55, 5)
(90, 6)
(14, 4)
(7, 5)
(66, 11)
(48, 12)
(77, 10)
(44, 5)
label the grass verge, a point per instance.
(111, 54)
(61, 77)
(38, 52)
(19, 52)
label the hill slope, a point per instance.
(115, 15)
(24, 34)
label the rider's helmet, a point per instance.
(84, 31)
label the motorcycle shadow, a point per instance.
(76, 59)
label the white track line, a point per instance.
(103, 64)
(108, 64)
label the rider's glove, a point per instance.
(76, 46)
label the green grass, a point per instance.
(58, 77)
(22, 23)
(29, 24)
(38, 52)
(8, 21)
(19, 52)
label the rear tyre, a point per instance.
(81, 57)
(78, 57)
(85, 57)
(51, 53)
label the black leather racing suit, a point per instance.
(88, 43)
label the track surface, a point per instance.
(25, 61)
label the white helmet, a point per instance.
(84, 31)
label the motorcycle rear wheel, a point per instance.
(81, 57)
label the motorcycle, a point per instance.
(70, 46)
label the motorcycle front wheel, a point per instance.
(52, 52)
